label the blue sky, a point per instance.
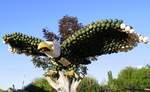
(30, 16)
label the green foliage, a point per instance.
(89, 85)
(98, 38)
(131, 79)
(142, 77)
(39, 85)
(110, 77)
(21, 43)
(125, 77)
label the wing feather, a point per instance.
(99, 38)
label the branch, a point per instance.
(75, 84)
(61, 84)
(51, 82)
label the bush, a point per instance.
(39, 85)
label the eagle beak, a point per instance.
(43, 46)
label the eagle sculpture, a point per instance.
(95, 39)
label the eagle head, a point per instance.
(50, 48)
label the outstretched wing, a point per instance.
(100, 38)
(20, 43)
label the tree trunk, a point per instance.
(63, 83)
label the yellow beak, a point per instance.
(45, 46)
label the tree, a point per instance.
(39, 85)
(67, 26)
(110, 77)
(131, 79)
(89, 85)
(65, 57)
